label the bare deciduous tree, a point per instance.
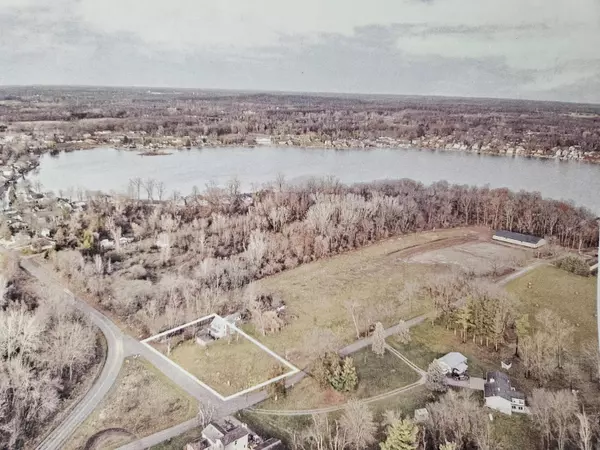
(378, 340)
(358, 424)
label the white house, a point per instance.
(525, 240)
(230, 434)
(501, 396)
(454, 362)
(220, 327)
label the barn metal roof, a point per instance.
(518, 236)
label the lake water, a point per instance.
(110, 170)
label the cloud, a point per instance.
(516, 48)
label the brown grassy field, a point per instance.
(227, 366)
(478, 258)
(318, 294)
(571, 296)
(142, 401)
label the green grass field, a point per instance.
(571, 296)
(376, 375)
(142, 402)
(317, 295)
(227, 366)
(431, 342)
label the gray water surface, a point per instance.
(110, 170)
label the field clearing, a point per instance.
(478, 258)
(318, 294)
(570, 296)
(142, 401)
(376, 375)
(431, 342)
(228, 366)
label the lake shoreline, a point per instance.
(149, 151)
(115, 168)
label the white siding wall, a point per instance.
(240, 444)
(499, 404)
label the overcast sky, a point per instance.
(542, 49)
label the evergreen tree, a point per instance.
(401, 435)
(349, 375)
(463, 320)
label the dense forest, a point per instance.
(46, 350)
(183, 258)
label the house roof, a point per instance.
(518, 236)
(234, 435)
(498, 385)
(453, 359)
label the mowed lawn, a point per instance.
(571, 296)
(318, 294)
(429, 342)
(228, 366)
(376, 375)
(142, 402)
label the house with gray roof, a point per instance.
(500, 395)
(524, 240)
(231, 434)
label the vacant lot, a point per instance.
(478, 258)
(376, 375)
(228, 365)
(320, 295)
(570, 296)
(141, 402)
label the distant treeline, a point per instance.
(233, 118)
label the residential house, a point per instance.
(221, 327)
(230, 434)
(501, 396)
(524, 240)
(454, 362)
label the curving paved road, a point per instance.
(120, 345)
(110, 371)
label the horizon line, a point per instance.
(334, 94)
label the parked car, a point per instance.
(460, 376)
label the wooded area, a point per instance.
(190, 258)
(47, 348)
(71, 118)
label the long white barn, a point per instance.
(525, 240)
